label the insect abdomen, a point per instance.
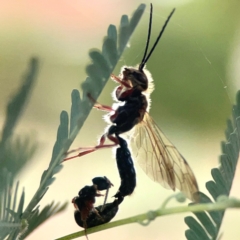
(126, 169)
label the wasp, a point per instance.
(126, 169)
(84, 202)
(99, 216)
(157, 156)
(86, 215)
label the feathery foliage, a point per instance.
(101, 68)
(208, 225)
(209, 213)
(15, 152)
(15, 222)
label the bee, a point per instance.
(157, 156)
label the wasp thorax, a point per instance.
(136, 78)
(87, 191)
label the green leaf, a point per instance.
(110, 53)
(103, 64)
(205, 220)
(99, 71)
(38, 217)
(14, 153)
(227, 169)
(17, 152)
(17, 104)
(75, 109)
(54, 166)
(218, 178)
(191, 235)
(222, 176)
(100, 64)
(9, 216)
(196, 228)
(123, 33)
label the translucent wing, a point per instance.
(160, 159)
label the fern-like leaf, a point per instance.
(54, 167)
(14, 110)
(209, 223)
(9, 212)
(103, 63)
(16, 106)
(38, 217)
(99, 72)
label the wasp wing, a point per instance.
(161, 160)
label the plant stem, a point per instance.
(149, 216)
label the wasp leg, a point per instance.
(103, 139)
(118, 80)
(80, 154)
(80, 150)
(93, 149)
(98, 105)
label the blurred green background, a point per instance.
(195, 71)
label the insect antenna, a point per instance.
(141, 66)
(156, 42)
(105, 200)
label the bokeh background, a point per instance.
(195, 69)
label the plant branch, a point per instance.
(145, 218)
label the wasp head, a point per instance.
(136, 78)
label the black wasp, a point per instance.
(157, 156)
(126, 169)
(84, 202)
(86, 215)
(99, 216)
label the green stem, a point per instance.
(221, 205)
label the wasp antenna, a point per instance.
(141, 66)
(105, 200)
(158, 38)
